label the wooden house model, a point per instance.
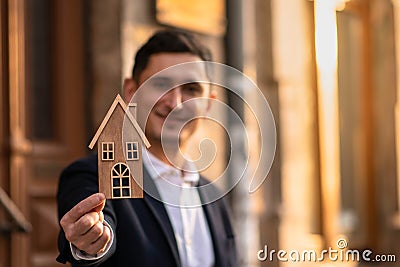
(120, 155)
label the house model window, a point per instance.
(107, 149)
(132, 150)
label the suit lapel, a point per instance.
(214, 219)
(151, 197)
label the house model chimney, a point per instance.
(132, 109)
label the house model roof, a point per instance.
(119, 101)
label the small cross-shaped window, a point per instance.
(107, 150)
(132, 150)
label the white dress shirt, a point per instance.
(182, 202)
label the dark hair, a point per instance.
(168, 41)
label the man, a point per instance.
(152, 231)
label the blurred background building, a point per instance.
(330, 70)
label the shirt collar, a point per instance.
(158, 169)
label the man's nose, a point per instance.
(174, 98)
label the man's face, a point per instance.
(169, 102)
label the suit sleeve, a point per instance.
(77, 182)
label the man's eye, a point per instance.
(161, 84)
(192, 88)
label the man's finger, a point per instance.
(100, 244)
(101, 216)
(94, 202)
(100, 207)
(86, 222)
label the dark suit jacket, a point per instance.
(143, 231)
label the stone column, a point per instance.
(396, 8)
(104, 49)
(293, 70)
(326, 47)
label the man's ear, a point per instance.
(130, 87)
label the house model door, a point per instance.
(120, 181)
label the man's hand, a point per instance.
(83, 225)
